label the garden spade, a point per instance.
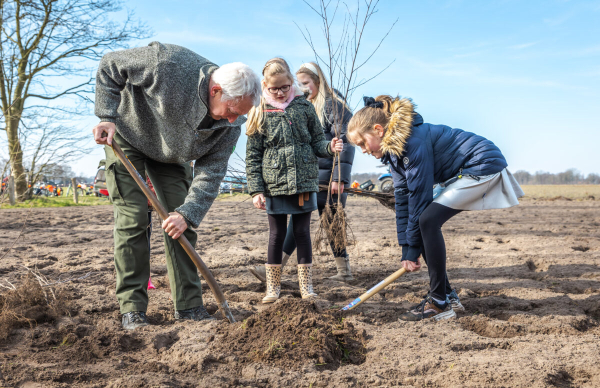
(162, 212)
(374, 290)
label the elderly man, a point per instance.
(166, 106)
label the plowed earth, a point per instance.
(529, 278)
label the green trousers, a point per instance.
(132, 253)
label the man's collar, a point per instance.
(204, 81)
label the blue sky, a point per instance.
(525, 74)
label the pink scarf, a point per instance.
(280, 105)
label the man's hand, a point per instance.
(337, 188)
(337, 145)
(411, 266)
(104, 128)
(174, 225)
(259, 201)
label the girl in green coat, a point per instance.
(284, 140)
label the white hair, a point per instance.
(237, 81)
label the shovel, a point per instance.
(375, 289)
(162, 212)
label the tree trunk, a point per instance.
(74, 184)
(16, 156)
(11, 190)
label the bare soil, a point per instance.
(529, 278)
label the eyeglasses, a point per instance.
(284, 89)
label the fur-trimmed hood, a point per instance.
(400, 126)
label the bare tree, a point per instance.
(59, 173)
(343, 28)
(47, 142)
(42, 40)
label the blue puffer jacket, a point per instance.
(422, 155)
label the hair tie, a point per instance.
(371, 103)
(310, 67)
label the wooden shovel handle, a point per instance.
(162, 212)
(375, 289)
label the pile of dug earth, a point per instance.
(293, 333)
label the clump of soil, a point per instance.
(293, 333)
(30, 304)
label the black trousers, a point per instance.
(300, 224)
(430, 222)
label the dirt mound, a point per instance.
(293, 333)
(28, 305)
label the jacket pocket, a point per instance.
(270, 170)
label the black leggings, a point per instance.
(430, 222)
(289, 245)
(278, 231)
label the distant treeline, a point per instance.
(569, 177)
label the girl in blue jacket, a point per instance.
(470, 169)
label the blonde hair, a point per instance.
(256, 116)
(395, 115)
(324, 90)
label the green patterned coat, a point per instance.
(282, 158)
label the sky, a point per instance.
(524, 74)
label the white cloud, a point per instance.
(557, 21)
(523, 46)
(444, 69)
(189, 37)
(475, 74)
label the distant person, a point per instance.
(165, 106)
(470, 168)
(284, 139)
(334, 115)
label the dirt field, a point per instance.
(529, 278)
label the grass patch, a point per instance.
(84, 200)
(575, 192)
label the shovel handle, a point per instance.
(375, 289)
(162, 212)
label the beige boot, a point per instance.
(273, 275)
(305, 280)
(343, 270)
(260, 273)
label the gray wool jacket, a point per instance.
(157, 96)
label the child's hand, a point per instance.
(337, 145)
(259, 201)
(411, 266)
(337, 188)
